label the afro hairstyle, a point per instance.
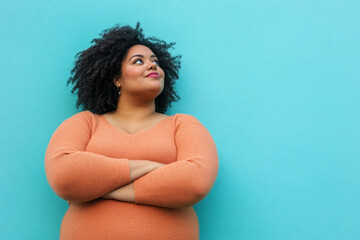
(96, 68)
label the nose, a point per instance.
(152, 65)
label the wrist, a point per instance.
(138, 168)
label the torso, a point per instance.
(110, 219)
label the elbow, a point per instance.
(197, 193)
(61, 187)
(63, 180)
(203, 181)
(198, 186)
(201, 190)
(66, 188)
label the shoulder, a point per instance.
(187, 121)
(189, 126)
(184, 118)
(81, 118)
(84, 115)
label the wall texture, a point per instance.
(275, 82)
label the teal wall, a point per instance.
(277, 83)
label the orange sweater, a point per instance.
(87, 157)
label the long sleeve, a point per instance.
(188, 180)
(77, 175)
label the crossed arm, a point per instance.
(77, 175)
(138, 168)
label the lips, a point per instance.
(153, 74)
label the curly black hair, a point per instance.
(96, 68)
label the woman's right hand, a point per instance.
(156, 165)
(139, 168)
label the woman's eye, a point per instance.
(138, 60)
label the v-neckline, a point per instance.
(137, 133)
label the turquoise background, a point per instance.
(275, 82)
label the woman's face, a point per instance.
(140, 73)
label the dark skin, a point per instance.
(136, 105)
(135, 111)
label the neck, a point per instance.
(133, 110)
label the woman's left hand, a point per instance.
(124, 194)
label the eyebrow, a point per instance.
(139, 55)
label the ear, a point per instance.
(117, 82)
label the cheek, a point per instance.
(163, 78)
(162, 73)
(132, 73)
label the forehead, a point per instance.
(139, 49)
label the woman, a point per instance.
(128, 170)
